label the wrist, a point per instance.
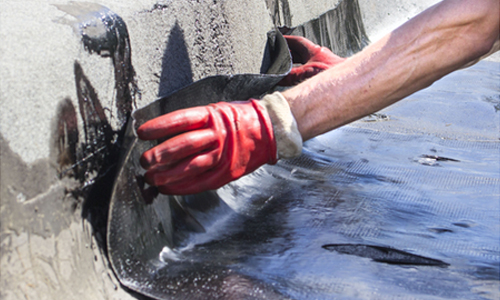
(287, 136)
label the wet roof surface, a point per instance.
(402, 204)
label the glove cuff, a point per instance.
(286, 132)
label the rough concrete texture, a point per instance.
(39, 50)
(49, 249)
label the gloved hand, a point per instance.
(314, 59)
(209, 146)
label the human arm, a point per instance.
(444, 38)
(209, 146)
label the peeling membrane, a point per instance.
(389, 210)
(150, 235)
(366, 211)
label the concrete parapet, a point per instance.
(64, 104)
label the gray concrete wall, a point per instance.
(38, 53)
(48, 250)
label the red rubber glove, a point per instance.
(314, 59)
(207, 146)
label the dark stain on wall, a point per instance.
(91, 158)
(92, 161)
(66, 138)
(105, 33)
(98, 131)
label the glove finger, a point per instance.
(301, 48)
(185, 171)
(301, 73)
(173, 123)
(212, 179)
(178, 148)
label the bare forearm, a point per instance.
(440, 40)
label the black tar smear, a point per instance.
(384, 255)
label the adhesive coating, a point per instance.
(403, 204)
